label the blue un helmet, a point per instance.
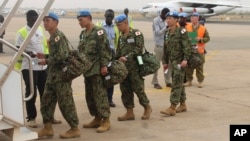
(183, 15)
(172, 14)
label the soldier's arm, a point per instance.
(206, 37)
(187, 46)
(105, 51)
(62, 52)
(139, 44)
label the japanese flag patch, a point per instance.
(57, 38)
(100, 32)
(137, 33)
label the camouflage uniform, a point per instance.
(55, 88)
(96, 46)
(131, 46)
(177, 47)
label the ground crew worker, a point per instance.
(130, 45)
(177, 49)
(56, 89)
(130, 22)
(95, 44)
(159, 29)
(202, 38)
(113, 34)
(37, 44)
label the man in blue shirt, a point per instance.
(111, 31)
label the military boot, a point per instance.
(47, 131)
(73, 132)
(147, 112)
(200, 85)
(104, 126)
(170, 111)
(181, 108)
(129, 115)
(96, 122)
(187, 84)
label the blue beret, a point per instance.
(195, 14)
(83, 13)
(53, 16)
(120, 18)
(183, 14)
(172, 14)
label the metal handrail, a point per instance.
(24, 44)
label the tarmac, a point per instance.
(223, 101)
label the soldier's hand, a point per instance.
(40, 55)
(165, 67)
(123, 59)
(42, 62)
(184, 63)
(104, 71)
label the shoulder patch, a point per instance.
(137, 33)
(100, 32)
(57, 38)
(183, 31)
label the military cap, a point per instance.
(172, 14)
(53, 16)
(183, 14)
(83, 13)
(196, 14)
(120, 18)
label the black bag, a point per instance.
(195, 60)
(150, 64)
(117, 72)
(76, 64)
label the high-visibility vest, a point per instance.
(24, 33)
(200, 33)
(117, 33)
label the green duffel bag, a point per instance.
(117, 72)
(76, 64)
(150, 64)
(195, 60)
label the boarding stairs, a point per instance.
(12, 100)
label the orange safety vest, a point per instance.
(200, 33)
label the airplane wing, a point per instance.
(206, 4)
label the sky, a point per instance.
(100, 4)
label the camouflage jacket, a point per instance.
(95, 45)
(59, 51)
(130, 47)
(177, 46)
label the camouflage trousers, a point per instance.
(178, 93)
(199, 71)
(96, 96)
(61, 92)
(134, 83)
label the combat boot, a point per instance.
(96, 122)
(200, 85)
(181, 108)
(129, 115)
(105, 126)
(47, 131)
(187, 84)
(170, 111)
(73, 132)
(147, 112)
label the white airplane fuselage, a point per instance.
(153, 9)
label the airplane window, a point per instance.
(147, 6)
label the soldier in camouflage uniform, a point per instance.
(130, 45)
(55, 88)
(177, 49)
(94, 43)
